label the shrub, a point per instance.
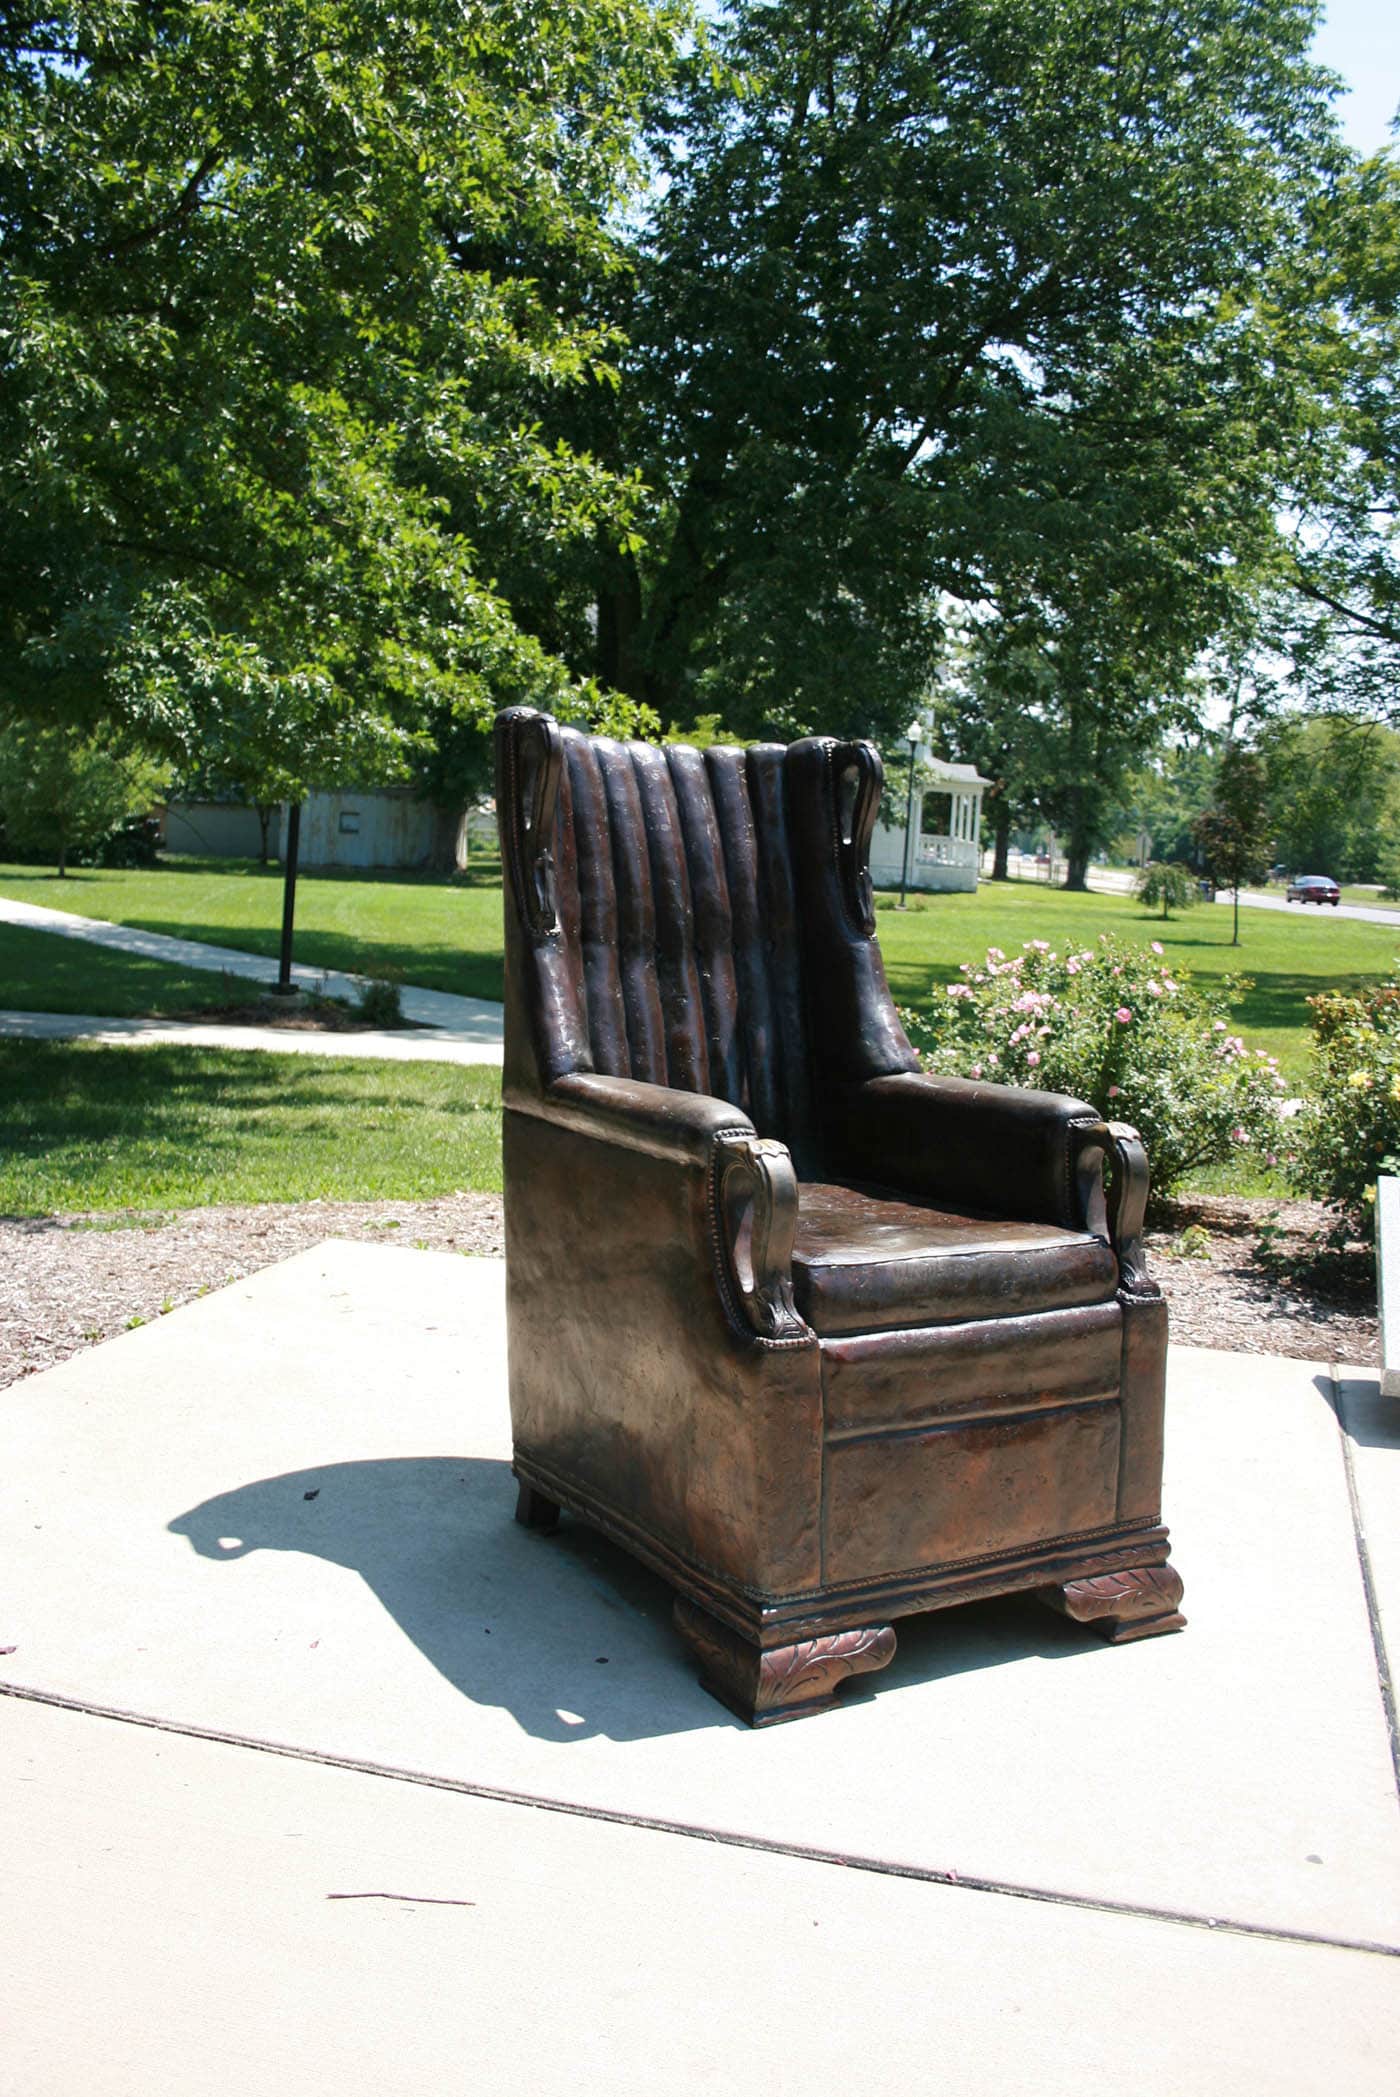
(1171, 884)
(1349, 1129)
(379, 1003)
(1115, 1026)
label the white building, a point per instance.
(942, 847)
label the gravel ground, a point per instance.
(67, 1282)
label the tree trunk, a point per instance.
(1077, 867)
(1001, 845)
(264, 811)
(1236, 940)
(447, 825)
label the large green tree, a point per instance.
(1337, 612)
(294, 295)
(953, 296)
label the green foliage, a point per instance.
(1349, 1129)
(1337, 339)
(1232, 835)
(64, 793)
(295, 295)
(1120, 1028)
(1164, 796)
(380, 1002)
(703, 734)
(1334, 795)
(961, 299)
(1175, 887)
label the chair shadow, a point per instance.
(567, 1632)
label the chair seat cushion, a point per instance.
(866, 1260)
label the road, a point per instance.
(1120, 881)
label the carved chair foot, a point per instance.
(535, 1512)
(1140, 1602)
(767, 1687)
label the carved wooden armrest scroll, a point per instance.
(534, 757)
(1127, 1206)
(755, 1206)
(858, 779)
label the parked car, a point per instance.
(1313, 888)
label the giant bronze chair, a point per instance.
(823, 1340)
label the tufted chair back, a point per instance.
(696, 919)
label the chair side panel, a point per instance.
(628, 1380)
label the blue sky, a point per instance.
(1360, 39)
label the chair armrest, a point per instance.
(1003, 1149)
(750, 1191)
(682, 1126)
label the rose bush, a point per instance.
(1112, 1024)
(1349, 1129)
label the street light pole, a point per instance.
(912, 734)
(284, 987)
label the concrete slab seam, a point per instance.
(1368, 1581)
(496, 1794)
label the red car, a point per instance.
(1313, 888)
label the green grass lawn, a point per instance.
(1353, 892)
(447, 935)
(1288, 958)
(437, 933)
(89, 1127)
(49, 972)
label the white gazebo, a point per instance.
(941, 846)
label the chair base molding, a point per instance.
(1138, 1602)
(766, 1686)
(771, 1658)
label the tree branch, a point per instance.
(185, 203)
(1365, 620)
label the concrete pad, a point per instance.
(435, 1047)
(477, 1019)
(1371, 1423)
(185, 1916)
(1388, 1280)
(285, 1512)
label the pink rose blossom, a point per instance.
(1238, 1135)
(1157, 947)
(1123, 1016)
(977, 1070)
(1113, 1092)
(1032, 1059)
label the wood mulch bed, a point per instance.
(1261, 1277)
(1233, 1278)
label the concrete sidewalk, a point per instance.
(470, 1020)
(324, 1776)
(436, 1045)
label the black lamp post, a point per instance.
(284, 987)
(912, 735)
